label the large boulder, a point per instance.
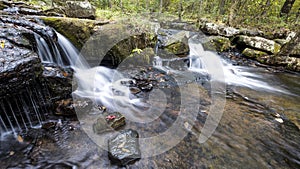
(80, 9)
(216, 29)
(259, 43)
(217, 43)
(112, 43)
(174, 42)
(78, 31)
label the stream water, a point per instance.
(259, 127)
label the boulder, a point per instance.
(174, 42)
(216, 29)
(253, 54)
(259, 43)
(124, 147)
(217, 43)
(78, 31)
(112, 43)
(80, 9)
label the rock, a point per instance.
(296, 51)
(174, 42)
(254, 54)
(215, 29)
(217, 43)
(19, 68)
(258, 43)
(59, 80)
(80, 9)
(143, 57)
(78, 31)
(124, 147)
(178, 48)
(68, 107)
(19, 65)
(112, 43)
(108, 122)
(281, 41)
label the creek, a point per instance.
(258, 128)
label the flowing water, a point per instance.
(259, 126)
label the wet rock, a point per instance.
(59, 80)
(217, 43)
(18, 67)
(80, 9)
(258, 43)
(108, 122)
(124, 147)
(254, 54)
(70, 107)
(178, 48)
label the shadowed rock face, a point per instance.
(27, 86)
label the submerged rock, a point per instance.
(124, 147)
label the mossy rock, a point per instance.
(217, 43)
(178, 48)
(254, 54)
(112, 43)
(258, 43)
(78, 31)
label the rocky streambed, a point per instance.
(46, 128)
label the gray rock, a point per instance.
(222, 30)
(80, 9)
(108, 122)
(258, 43)
(296, 51)
(124, 147)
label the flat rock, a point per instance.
(108, 122)
(124, 147)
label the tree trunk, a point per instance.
(232, 12)
(286, 8)
(265, 8)
(160, 6)
(180, 10)
(221, 7)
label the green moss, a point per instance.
(277, 48)
(254, 54)
(76, 30)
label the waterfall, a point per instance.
(61, 52)
(23, 110)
